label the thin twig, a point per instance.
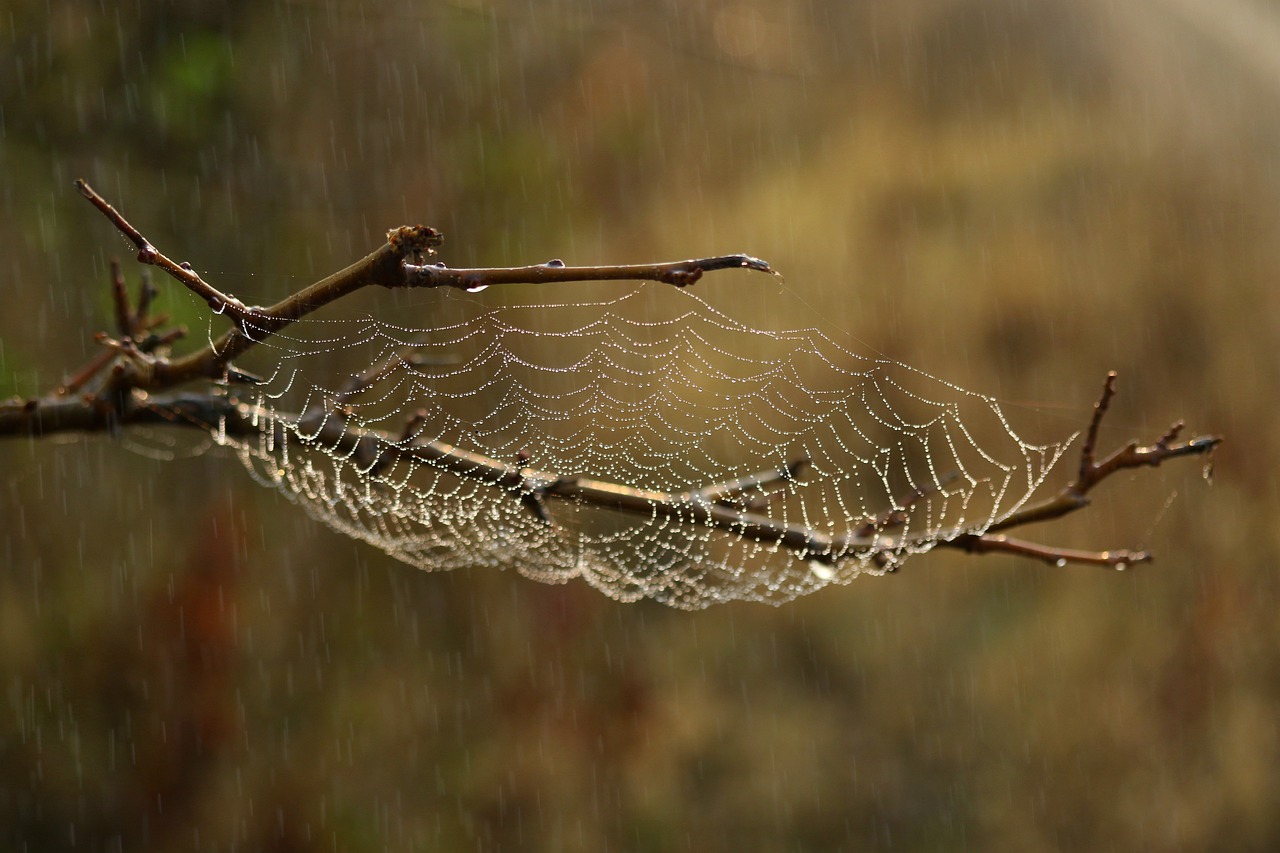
(126, 322)
(1075, 495)
(149, 254)
(997, 543)
(677, 273)
(146, 292)
(1091, 435)
(82, 376)
(896, 516)
(726, 493)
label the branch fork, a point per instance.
(1075, 495)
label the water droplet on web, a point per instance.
(1061, 562)
(1121, 566)
(821, 572)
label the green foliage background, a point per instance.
(1013, 196)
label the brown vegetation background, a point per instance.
(1013, 196)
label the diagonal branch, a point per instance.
(149, 254)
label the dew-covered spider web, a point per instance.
(650, 445)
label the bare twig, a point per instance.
(1075, 495)
(734, 492)
(148, 254)
(677, 273)
(86, 374)
(126, 327)
(996, 542)
(146, 292)
(126, 322)
(896, 516)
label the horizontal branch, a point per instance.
(225, 415)
(677, 273)
(705, 506)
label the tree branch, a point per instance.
(996, 542)
(1074, 495)
(385, 267)
(133, 382)
(678, 273)
(148, 254)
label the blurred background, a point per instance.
(1016, 197)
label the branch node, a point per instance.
(681, 277)
(415, 241)
(1171, 436)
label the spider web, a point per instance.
(655, 391)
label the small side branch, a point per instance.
(1075, 495)
(897, 515)
(134, 327)
(220, 302)
(1091, 472)
(765, 484)
(998, 543)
